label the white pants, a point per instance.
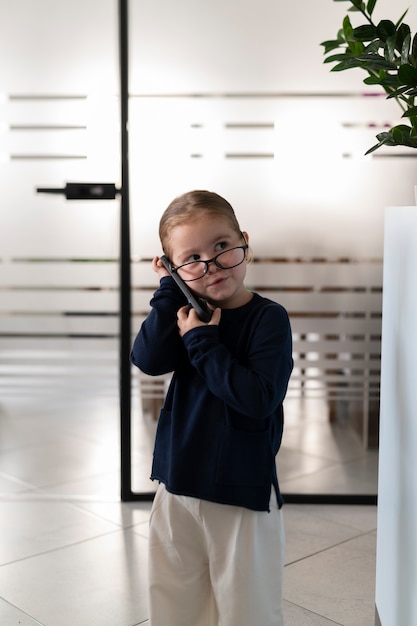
(213, 564)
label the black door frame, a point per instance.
(125, 384)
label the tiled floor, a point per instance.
(72, 555)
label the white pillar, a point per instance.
(396, 575)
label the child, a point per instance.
(216, 544)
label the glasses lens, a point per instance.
(225, 260)
(230, 258)
(192, 271)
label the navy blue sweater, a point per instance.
(221, 424)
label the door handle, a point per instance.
(85, 191)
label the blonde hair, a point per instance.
(190, 206)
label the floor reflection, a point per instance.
(68, 446)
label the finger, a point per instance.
(156, 263)
(159, 267)
(193, 315)
(183, 312)
(215, 318)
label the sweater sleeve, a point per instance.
(256, 383)
(158, 345)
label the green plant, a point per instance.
(387, 52)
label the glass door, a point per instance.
(59, 259)
(215, 104)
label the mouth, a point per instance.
(217, 283)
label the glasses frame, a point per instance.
(212, 260)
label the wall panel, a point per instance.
(59, 122)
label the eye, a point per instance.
(222, 245)
(193, 257)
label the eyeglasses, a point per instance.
(225, 260)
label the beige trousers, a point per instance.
(213, 564)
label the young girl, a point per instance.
(216, 544)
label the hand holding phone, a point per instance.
(199, 304)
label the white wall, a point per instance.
(197, 68)
(58, 123)
(261, 63)
(396, 583)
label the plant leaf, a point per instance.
(367, 32)
(387, 81)
(412, 112)
(401, 18)
(405, 49)
(356, 47)
(348, 64)
(381, 143)
(372, 80)
(373, 47)
(401, 35)
(385, 29)
(407, 75)
(399, 92)
(375, 62)
(330, 45)
(347, 28)
(337, 57)
(400, 134)
(389, 49)
(357, 6)
(413, 53)
(387, 53)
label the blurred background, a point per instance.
(230, 96)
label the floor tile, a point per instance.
(11, 484)
(11, 616)
(338, 583)
(293, 464)
(102, 486)
(126, 514)
(309, 532)
(352, 477)
(297, 616)
(73, 554)
(29, 528)
(64, 458)
(102, 581)
(334, 442)
(360, 517)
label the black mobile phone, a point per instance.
(199, 304)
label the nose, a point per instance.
(212, 267)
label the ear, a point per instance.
(249, 253)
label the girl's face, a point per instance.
(202, 239)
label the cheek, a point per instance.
(196, 288)
(239, 272)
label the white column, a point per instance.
(396, 576)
